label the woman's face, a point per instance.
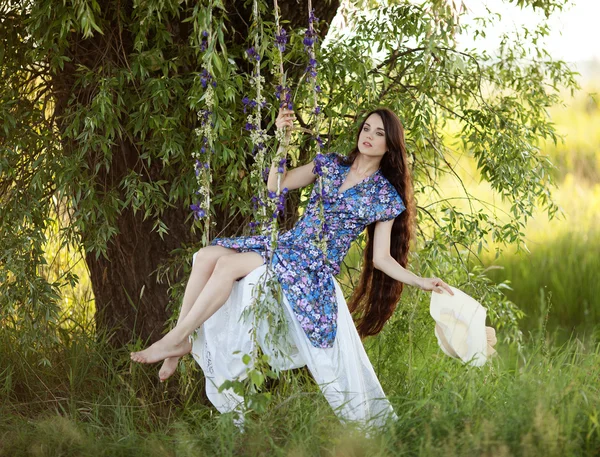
(371, 140)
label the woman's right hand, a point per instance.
(285, 119)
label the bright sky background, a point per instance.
(574, 34)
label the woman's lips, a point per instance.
(366, 143)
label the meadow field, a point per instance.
(559, 273)
(77, 396)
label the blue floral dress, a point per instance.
(305, 273)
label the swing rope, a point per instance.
(202, 208)
(202, 154)
(267, 294)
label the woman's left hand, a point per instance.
(435, 284)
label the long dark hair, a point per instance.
(376, 296)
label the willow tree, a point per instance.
(99, 109)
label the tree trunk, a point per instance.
(130, 303)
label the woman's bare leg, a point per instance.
(201, 270)
(227, 270)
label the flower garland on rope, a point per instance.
(267, 293)
(284, 95)
(205, 133)
(258, 135)
(310, 40)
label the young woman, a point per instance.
(370, 188)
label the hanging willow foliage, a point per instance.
(98, 120)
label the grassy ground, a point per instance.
(542, 400)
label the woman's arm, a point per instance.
(292, 179)
(298, 177)
(382, 260)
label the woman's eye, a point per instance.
(379, 133)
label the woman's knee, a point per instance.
(238, 265)
(224, 265)
(207, 257)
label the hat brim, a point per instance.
(460, 326)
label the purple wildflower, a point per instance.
(199, 213)
(309, 40)
(204, 114)
(318, 168)
(253, 54)
(206, 78)
(280, 205)
(311, 69)
(310, 36)
(280, 169)
(284, 95)
(281, 40)
(204, 41)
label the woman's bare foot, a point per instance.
(168, 368)
(164, 348)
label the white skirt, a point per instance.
(343, 372)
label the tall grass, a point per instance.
(543, 400)
(562, 263)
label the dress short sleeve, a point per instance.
(389, 205)
(325, 160)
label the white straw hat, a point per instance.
(460, 327)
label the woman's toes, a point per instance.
(168, 368)
(137, 357)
